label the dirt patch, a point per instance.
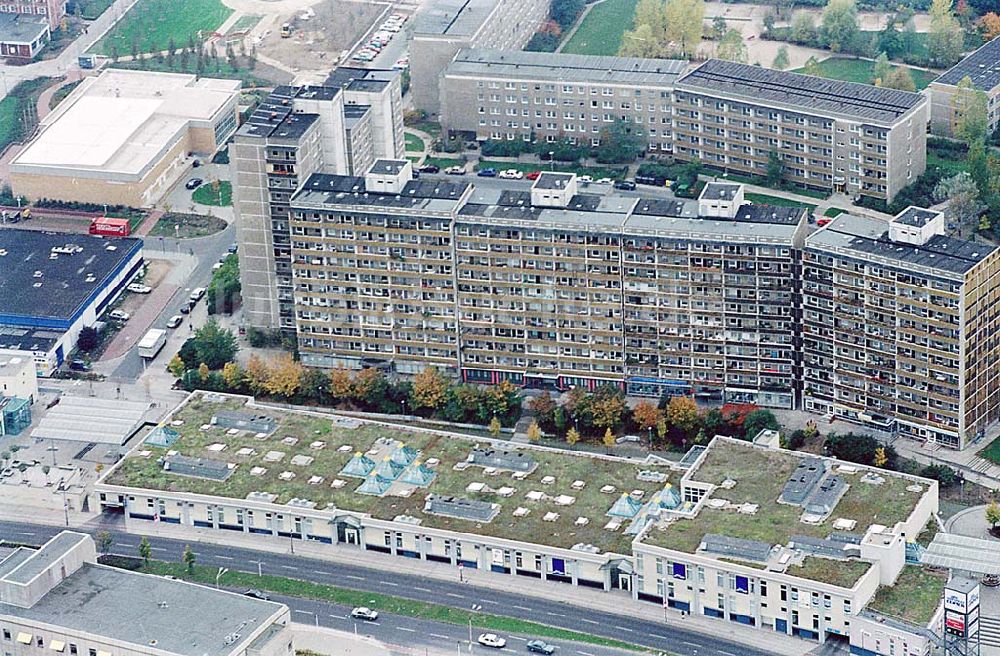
(184, 226)
(156, 271)
(320, 34)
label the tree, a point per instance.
(88, 339)
(534, 432)
(989, 25)
(145, 551)
(811, 67)
(341, 384)
(718, 27)
(608, 407)
(662, 29)
(646, 415)
(104, 542)
(203, 372)
(971, 109)
(880, 73)
(565, 12)
(313, 384)
(944, 38)
(257, 374)
(284, 376)
(732, 48)
(759, 420)
(214, 345)
(860, 449)
(621, 142)
(803, 28)
(900, 78)
(943, 474)
(495, 427)
(880, 458)
(370, 387)
(781, 61)
(188, 558)
(839, 26)
(609, 439)
(544, 407)
(176, 366)
(682, 414)
(962, 194)
(775, 169)
(993, 514)
(685, 18)
(232, 375)
(572, 436)
(429, 391)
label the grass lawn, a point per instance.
(601, 31)
(207, 195)
(764, 199)
(992, 451)
(87, 9)
(244, 23)
(381, 602)
(826, 570)
(10, 128)
(834, 212)
(223, 70)
(191, 225)
(761, 182)
(862, 71)
(949, 163)
(23, 94)
(414, 144)
(61, 93)
(914, 597)
(151, 24)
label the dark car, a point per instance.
(650, 180)
(540, 647)
(625, 185)
(233, 248)
(186, 309)
(193, 183)
(429, 168)
(487, 173)
(79, 365)
(257, 594)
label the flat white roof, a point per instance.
(122, 122)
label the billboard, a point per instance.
(961, 601)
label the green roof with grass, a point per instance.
(144, 471)
(914, 597)
(760, 475)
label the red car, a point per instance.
(532, 176)
(823, 222)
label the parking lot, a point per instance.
(392, 50)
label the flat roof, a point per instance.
(456, 18)
(37, 561)
(805, 93)
(123, 121)
(418, 195)
(369, 80)
(557, 67)
(21, 28)
(143, 610)
(388, 166)
(29, 339)
(720, 190)
(548, 180)
(87, 419)
(867, 236)
(982, 67)
(34, 284)
(12, 361)
(917, 217)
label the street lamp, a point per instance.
(552, 160)
(222, 570)
(475, 609)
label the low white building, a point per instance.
(18, 377)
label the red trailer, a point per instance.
(109, 227)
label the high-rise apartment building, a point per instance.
(443, 27)
(900, 327)
(297, 131)
(982, 68)
(497, 94)
(830, 135)
(550, 286)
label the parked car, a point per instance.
(139, 288)
(492, 640)
(533, 175)
(541, 647)
(186, 308)
(511, 174)
(625, 185)
(586, 179)
(119, 315)
(822, 222)
(80, 365)
(233, 248)
(216, 266)
(364, 613)
(196, 294)
(455, 170)
(628, 438)
(487, 173)
(193, 183)
(257, 594)
(174, 321)
(430, 168)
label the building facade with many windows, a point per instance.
(982, 68)
(507, 95)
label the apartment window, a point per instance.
(72, 649)
(388, 538)
(91, 652)
(6, 634)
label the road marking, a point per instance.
(589, 621)
(438, 635)
(726, 653)
(522, 608)
(519, 638)
(157, 549)
(488, 601)
(395, 585)
(452, 594)
(356, 578)
(657, 635)
(623, 628)
(339, 617)
(223, 557)
(24, 532)
(423, 589)
(403, 628)
(289, 567)
(690, 644)
(584, 653)
(554, 614)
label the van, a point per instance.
(286, 31)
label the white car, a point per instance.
(585, 178)
(391, 27)
(217, 266)
(364, 613)
(119, 315)
(604, 181)
(510, 174)
(492, 640)
(139, 288)
(175, 321)
(455, 170)
(196, 294)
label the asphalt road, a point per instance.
(637, 631)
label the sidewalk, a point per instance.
(609, 602)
